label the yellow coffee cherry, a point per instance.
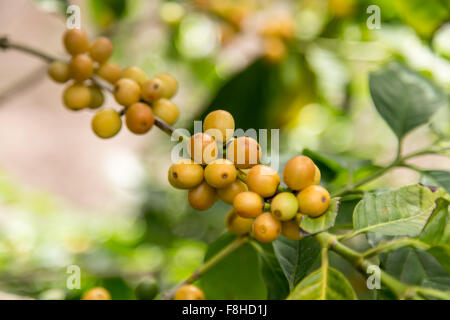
(221, 122)
(185, 174)
(313, 200)
(236, 224)
(263, 180)
(317, 175)
(139, 118)
(248, 204)
(189, 292)
(266, 228)
(136, 74)
(152, 90)
(59, 71)
(97, 293)
(81, 67)
(244, 152)
(170, 85)
(202, 197)
(76, 41)
(97, 97)
(77, 96)
(228, 193)
(284, 206)
(220, 173)
(166, 110)
(106, 123)
(109, 71)
(202, 148)
(291, 230)
(299, 172)
(127, 92)
(101, 49)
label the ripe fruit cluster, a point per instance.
(144, 98)
(229, 169)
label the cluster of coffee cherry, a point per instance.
(260, 206)
(144, 98)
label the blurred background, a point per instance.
(67, 197)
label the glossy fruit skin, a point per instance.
(76, 41)
(228, 193)
(244, 152)
(202, 197)
(106, 123)
(170, 85)
(136, 74)
(152, 90)
(189, 292)
(291, 230)
(317, 175)
(97, 97)
(222, 122)
(101, 49)
(203, 148)
(77, 96)
(147, 289)
(266, 228)
(299, 173)
(127, 92)
(59, 71)
(109, 71)
(313, 200)
(263, 180)
(185, 174)
(139, 118)
(81, 67)
(220, 173)
(284, 206)
(97, 293)
(248, 204)
(166, 110)
(236, 224)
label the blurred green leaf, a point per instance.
(437, 229)
(439, 178)
(441, 253)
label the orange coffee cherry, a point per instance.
(248, 204)
(185, 174)
(97, 293)
(109, 71)
(152, 89)
(291, 230)
(202, 197)
(139, 118)
(313, 200)
(220, 124)
(228, 193)
(263, 180)
(81, 67)
(76, 41)
(299, 173)
(244, 152)
(220, 173)
(189, 292)
(101, 49)
(202, 148)
(236, 224)
(266, 228)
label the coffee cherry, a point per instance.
(106, 123)
(221, 123)
(77, 96)
(166, 110)
(59, 71)
(97, 97)
(185, 174)
(189, 292)
(170, 85)
(317, 175)
(299, 172)
(202, 197)
(109, 71)
(147, 289)
(220, 173)
(202, 148)
(313, 200)
(76, 41)
(263, 180)
(266, 228)
(139, 118)
(81, 67)
(236, 224)
(244, 152)
(284, 206)
(97, 293)
(248, 204)
(291, 230)
(152, 89)
(136, 74)
(127, 92)
(228, 193)
(101, 49)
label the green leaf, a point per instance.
(322, 223)
(441, 253)
(404, 98)
(434, 231)
(296, 258)
(402, 212)
(439, 178)
(329, 285)
(236, 276)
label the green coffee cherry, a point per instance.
(284, 206)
